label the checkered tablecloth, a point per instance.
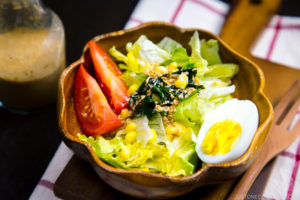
(280, 42)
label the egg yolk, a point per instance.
(221, 137)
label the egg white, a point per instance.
(245, 113)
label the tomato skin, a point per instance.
(94, 114)
(108, 77)
(109, 62)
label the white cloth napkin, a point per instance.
(279, 43)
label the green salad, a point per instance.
(171, 90)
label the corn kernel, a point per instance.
(125, 154)
(130, 127)
(132, 89)
(180, 84)
(172, 67)
(197, 81)
(182, 81)
(153, 138)
(130, 137)
(125, 113)
(180, 127)
(171, 130)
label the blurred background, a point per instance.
(27, 143)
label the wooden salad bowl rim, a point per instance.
(245, 160)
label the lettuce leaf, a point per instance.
(214, 93)
(196, 57)
(192, 111)
(210, 51)
(173, 158)
(106, 149)
(152, 54)
(183, 154)
(139, 55)
(222, 70)
(168, 44)
(184, 161)
(143, 129)
(151, 157)
(130, 60)
(131, 78)
(156, 123)
(180, 56)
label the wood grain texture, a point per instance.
(78, 181)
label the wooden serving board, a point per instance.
(78, 181)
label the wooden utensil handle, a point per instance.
(246, 21)
(242, 28)
(245, 183)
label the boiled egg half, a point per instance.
(227, 131)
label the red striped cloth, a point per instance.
(280, 42)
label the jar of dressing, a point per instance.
(32, 54)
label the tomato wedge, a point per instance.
(108, 77)
(94, 114)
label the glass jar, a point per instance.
(32, 54)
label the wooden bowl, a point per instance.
(249, 85)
